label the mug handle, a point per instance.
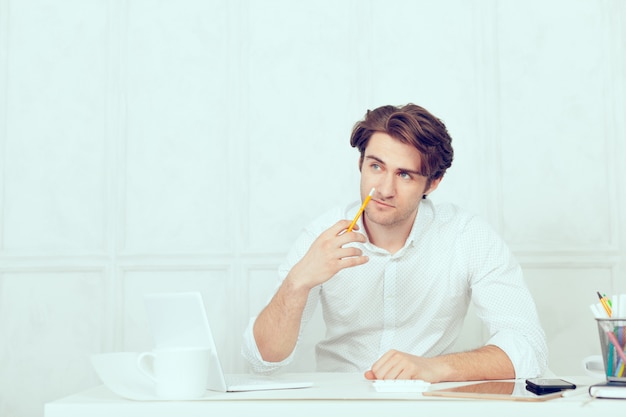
(593, 365)
(141, 364)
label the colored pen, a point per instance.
(367, 200)
(615, 343)
(606, 306)
(610, 360)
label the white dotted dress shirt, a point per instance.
(415, 300)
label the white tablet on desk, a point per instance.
(493, 390)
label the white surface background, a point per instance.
(181, 145)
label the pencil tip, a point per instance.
(372, 191)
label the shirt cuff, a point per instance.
(526, 362)
(250, 352)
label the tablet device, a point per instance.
(493, 390)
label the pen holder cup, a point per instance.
(612, 334)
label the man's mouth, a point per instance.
(381, 203)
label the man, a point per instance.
(395, 291)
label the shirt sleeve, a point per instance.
(503, 301)
(249, 348)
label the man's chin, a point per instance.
(390, 220)
(381, 221)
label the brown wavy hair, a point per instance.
(413, 125)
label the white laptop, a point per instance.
(179, 319)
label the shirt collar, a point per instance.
(424, 217)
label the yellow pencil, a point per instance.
(606, 306)
(367, 200)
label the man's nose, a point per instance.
(386, 186)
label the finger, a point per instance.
(349, 252)
(380, 370)
(396, 371)
(382, 366)
(344, 224)
(391, 370)
(404, 374)
(351, 237)
(353, 261)
(355, 227)
(370, 375)
(340, 227)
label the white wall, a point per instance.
(172, 145)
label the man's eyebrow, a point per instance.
(410, 171)
(375, 159)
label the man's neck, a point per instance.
(392, 238)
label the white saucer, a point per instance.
(119, 373)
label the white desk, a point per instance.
(332, 395)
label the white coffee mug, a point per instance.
(179, 373)
(593, 365)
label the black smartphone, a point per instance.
(541, 386)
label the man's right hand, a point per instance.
(327, 256)
(277, 326)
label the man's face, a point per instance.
(393, 168)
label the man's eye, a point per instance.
(405, 175)
(375, 166)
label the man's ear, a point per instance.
(433, 186)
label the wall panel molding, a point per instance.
(4, 75)
(565, 259)
(52, 268)
(615, 15)
(614, 116)
(486, 56)
(238, 38)
(50, 322)
(116, 125)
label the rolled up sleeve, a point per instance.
(505, 304)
